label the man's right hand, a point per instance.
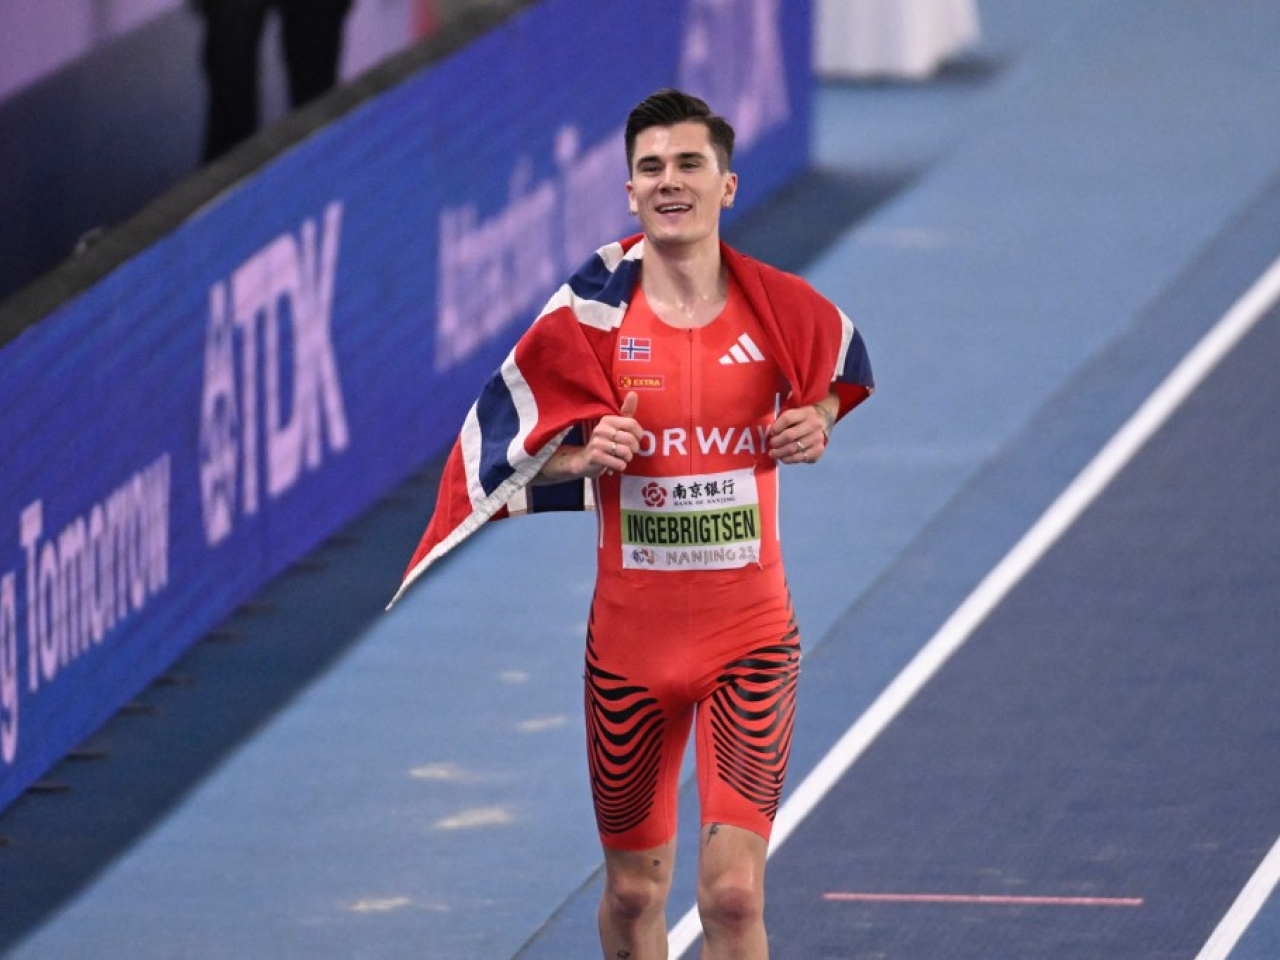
(610, 448)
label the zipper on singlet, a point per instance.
(694, 390)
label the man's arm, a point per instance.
(612, 444)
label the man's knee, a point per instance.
(630, 897)
(731, 900)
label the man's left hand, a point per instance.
(800, 435)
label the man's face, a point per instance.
(677, 188)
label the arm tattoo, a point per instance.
(828, 420)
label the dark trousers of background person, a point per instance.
(311, 31)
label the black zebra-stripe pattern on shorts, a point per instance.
(752, 718)
(624, 731)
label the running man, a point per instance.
(665, 383)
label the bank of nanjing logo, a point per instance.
(653, 495)
(744, 351)
(266, 419)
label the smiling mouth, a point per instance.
(674, 208)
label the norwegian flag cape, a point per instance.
(558, 377)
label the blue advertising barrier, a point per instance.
(220, 403)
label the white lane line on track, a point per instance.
(1056, 520)
(1246, 907)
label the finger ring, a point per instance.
(615, 448)
(800, 446)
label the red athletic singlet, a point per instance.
(691, 614)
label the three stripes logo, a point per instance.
(744, 351)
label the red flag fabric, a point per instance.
(558, 377)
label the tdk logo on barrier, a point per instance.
(290, 397)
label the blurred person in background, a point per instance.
(311, 31)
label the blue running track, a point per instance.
(1030, 245)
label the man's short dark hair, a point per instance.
(668, 107)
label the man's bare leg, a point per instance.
(633, 910)
(731, 893)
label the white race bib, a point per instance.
(706, 522)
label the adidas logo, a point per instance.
(744, 351)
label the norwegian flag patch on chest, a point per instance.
(634, 348)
